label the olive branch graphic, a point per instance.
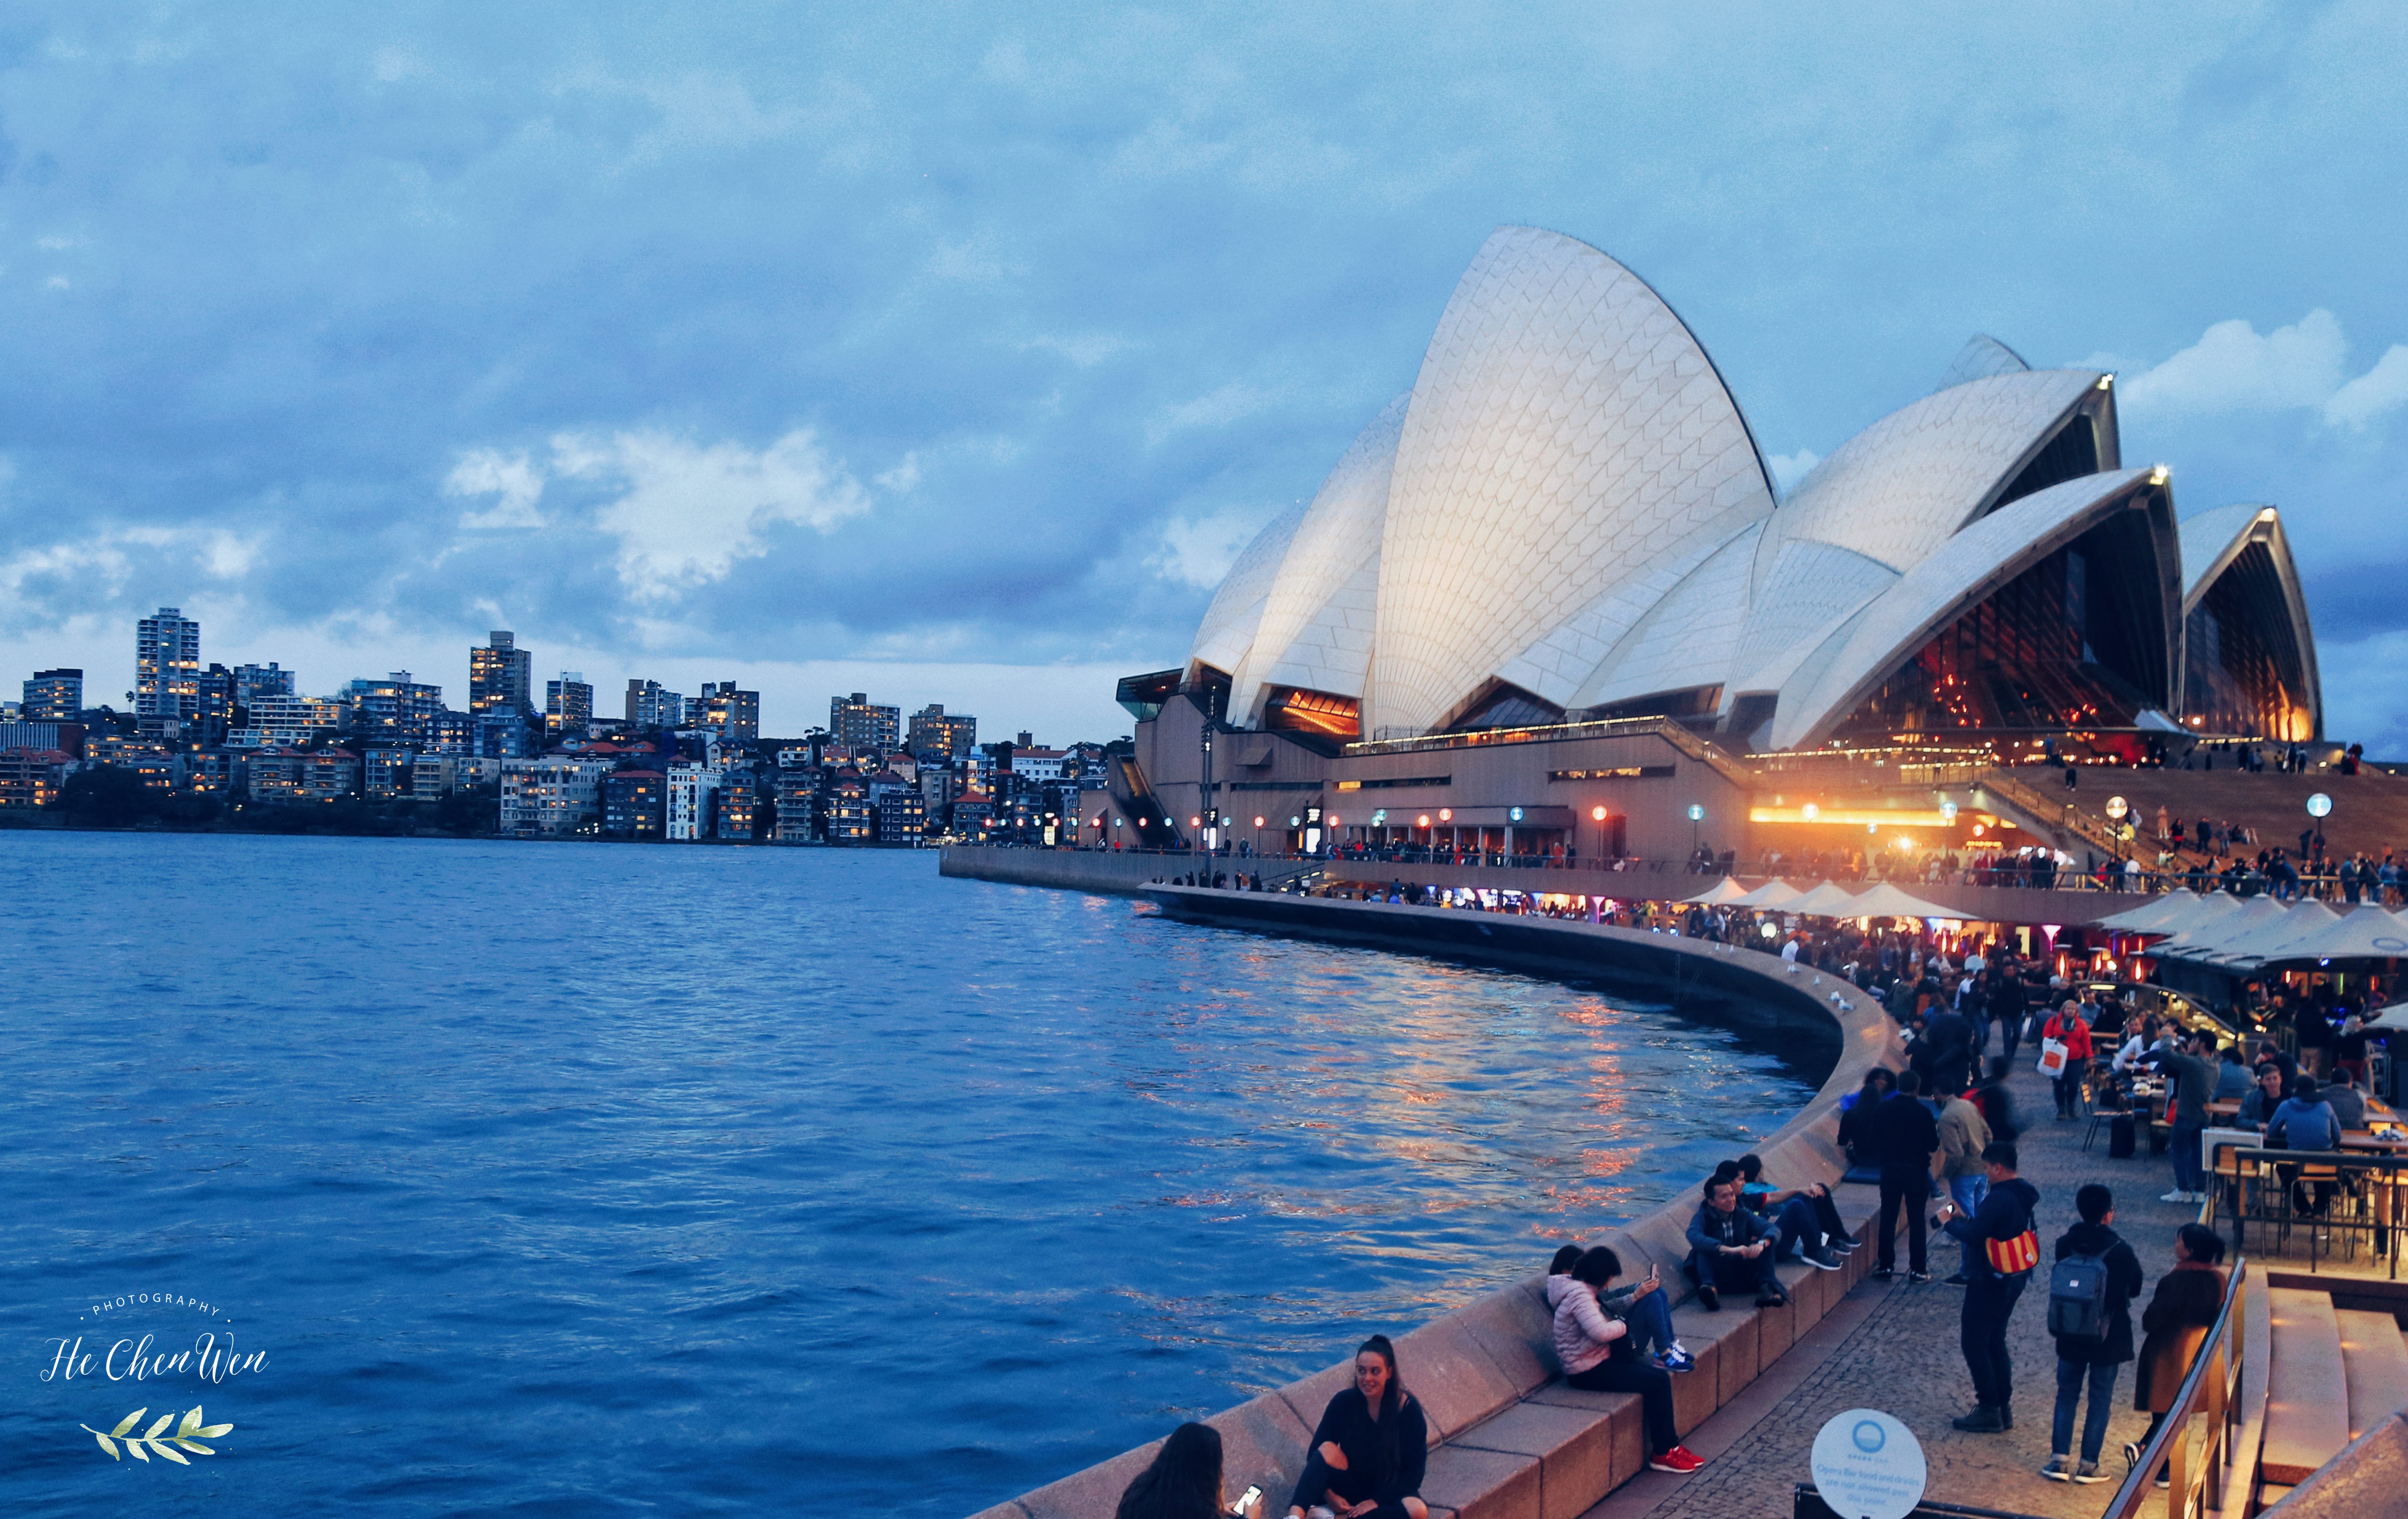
(189, 1434)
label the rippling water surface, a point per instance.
(587, 1180)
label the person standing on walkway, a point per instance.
(2090, 1318)
(1902, 1136)
(2193, 1080)
(2175, 1323)
(2006, 1002)
(1964, 1134)
(2068, 1027)
(2003, 1229)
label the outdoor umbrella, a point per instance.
(1888, 901)
(1723, 892)
(2263, 940)
(2198, 939)
(1825, 901)
(1774, 895)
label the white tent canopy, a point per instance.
(2211, 926)
(1888, 901)
(2253, 943)
(1829, 900)
(1723, 893)
(2365, 932)
(1776, 896)
(2151, 917)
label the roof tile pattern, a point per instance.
(1228, 627)
(1895, 492)
(1685, 639)
(1565, 429)
(1336, 540)
(1813, 588)
(1979, 359)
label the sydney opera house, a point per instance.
(1557, 569)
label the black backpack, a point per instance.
(2077, 1298)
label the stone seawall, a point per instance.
(1510, 1440)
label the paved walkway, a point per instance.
(1892, 1346)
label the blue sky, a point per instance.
(949, 353)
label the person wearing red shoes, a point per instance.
(1597, 1355)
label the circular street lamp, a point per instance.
(2320, 806)
(1810, 812)
(1258, 821)
(2117, 807)
(1696, 815)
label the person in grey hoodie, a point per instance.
(1643, 1306)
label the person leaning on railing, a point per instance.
(2188, 1299)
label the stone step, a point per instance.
(2307, 1391)
(2376, 1359)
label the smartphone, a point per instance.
(1248, 1498)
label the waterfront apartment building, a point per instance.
(275, 775)
(722, 708)
(935, 731)
(649, 705)
(501, 677)
(798, 807)
(216, 771)
(902, 817)
(693, 801)
(846, 814)
(329, 775)
(167, 672)
(739, 804)
(858, 723)
(54, 696)
(388, 774)
(64, 736)
(551, 796)
(31, 778)
(567, 706)
(397, 709)
(252, 681)
(635, 805)
(434, 776)
(286, 720)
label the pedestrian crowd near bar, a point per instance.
(1968, 751)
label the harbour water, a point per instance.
(588, 1179)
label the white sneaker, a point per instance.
(2175, 1197)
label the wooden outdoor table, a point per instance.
(2231, 1108)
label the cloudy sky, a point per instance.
(951, 351)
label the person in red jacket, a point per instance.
(2068, 1025)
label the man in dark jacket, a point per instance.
(2092, 1358)
(1950, 1035)
(1902, 1136)
(1731, 1249)
(2006, 1003)
(1991, 1294)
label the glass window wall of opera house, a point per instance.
(1563, 534)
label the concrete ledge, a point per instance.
(1508, 1441)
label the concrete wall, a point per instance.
(1492, 1357)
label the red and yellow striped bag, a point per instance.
(2013, 1257)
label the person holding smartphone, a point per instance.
(1598, 1354)
(1184, 1482)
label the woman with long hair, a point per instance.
(1182, 1482)
(1370, 1449)
(2188, 1299)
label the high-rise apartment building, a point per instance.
(934, 731)
(560, 795)
(252, 681)
(650, 705)
(635, 803)
(857, 722)
(693, 802)
(501, 677)
(54, 696)
(396, 710)
(734, 715)
(167, 672)
(567, 704)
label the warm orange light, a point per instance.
(1259, 823)
(1424, 821)
(1596, 814)
(1446, 814)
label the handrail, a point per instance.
(2211, 1387)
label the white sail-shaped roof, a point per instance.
(1227, 631)
(1316, 623)
(1566, 431)
(1965, 569)
(2214, 540)
(1979, 359)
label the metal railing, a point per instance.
(2211, 1391)
(2325, 1194)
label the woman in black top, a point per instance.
(1370, 1448)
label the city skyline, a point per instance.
(961, 358)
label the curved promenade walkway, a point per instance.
(1513, 1442)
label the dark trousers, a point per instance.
(1989, 1303)
(2068, 1087)
(1655, 1390)
(1319, 1482)
(1908, 1189)
(1797, 1224)
(1827, 1216)
(1733, 1273)
(2011, 1033)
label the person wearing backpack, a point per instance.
(2090, 1297)
(2002, 1228)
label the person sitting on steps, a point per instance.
(1730, 1248)
(1598, 1354)
(1803, 1218)
(1645, 1306)
(1369, 1451)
